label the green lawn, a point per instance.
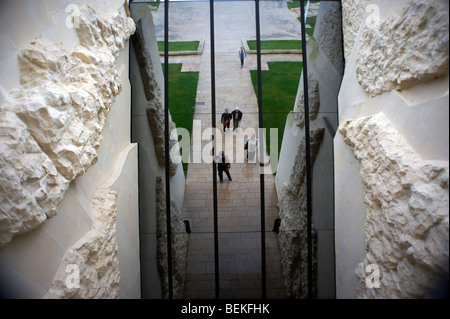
(309, 20)
(182, 92)
(312, 22)
(276, 44)
(296, 4)
(154, 4)
(279, 89)
(179, 46)
(293, 4)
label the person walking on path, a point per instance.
(225, 120)
(223, 165)
(242, 56)
(237, 117)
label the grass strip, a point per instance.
(276, 44)
(296, 4)
(279, 89)
(182, 93)
(179, 46)
(154, 4)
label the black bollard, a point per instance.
(187, 225)
(276, 225)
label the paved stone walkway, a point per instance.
(239, 200)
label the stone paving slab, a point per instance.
(190, 67)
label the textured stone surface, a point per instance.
(94, 257)
(313, 98)
(407, 211)
(179, 244)
(62, 104)
(65, 97)
(30, 185)
(153, 95)
(156, 120)
(152, 88)
(408, 48)
(292, 237)
(329, 35)
(353, 13)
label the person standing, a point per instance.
(237, 117)
(225, 120)
(223, 165)
(250, 145)
(242, 56)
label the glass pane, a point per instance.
(280, 146)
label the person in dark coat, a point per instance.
(237, 117)
(242, 55)
(223, 164)
(225, 120)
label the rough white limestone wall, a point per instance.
(292, 237)
(329, 33)
(30, 185)
(408, 48)
(90, 268)
(325, 64)
(314, 100)
(180, 243)
(353, 12)
(154, 96)
(407, 211)
(59, 111)
(393, 108)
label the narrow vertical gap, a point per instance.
(307, 150)
(333, 154)
(261, 171)
(214, 169)
(166, 146)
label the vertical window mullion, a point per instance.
(214, 169)
(262, 153)
(307, 150)
(166, 146)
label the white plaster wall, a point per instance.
(405, 109)
(30, 261)
(126, 185)
(420, 114)
(38, 18)
(349, 219)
